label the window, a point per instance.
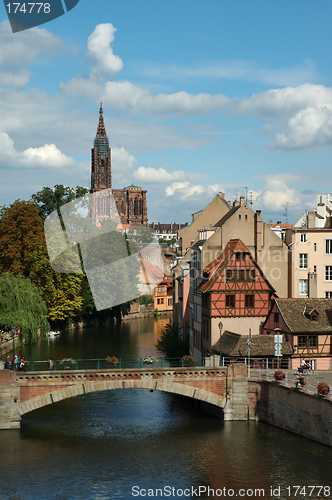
(241, 275)
(303, 287)
(170, 301)
(230, 300)
(276, 318)
(246, 216)
(229, 274)
(328, 273)
(249, 300)
(251, 274)
(302, 341)
(238, 256)
(303, 261)
(160, 289)
(240, 216)
(328, 295)
(307, 341)
(328, 246)
(315, 269)
(315, 247)
(303, 237)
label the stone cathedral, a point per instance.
(130, 201)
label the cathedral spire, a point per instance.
(101, 131)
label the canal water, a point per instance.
(138, 444)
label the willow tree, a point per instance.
(21, 305)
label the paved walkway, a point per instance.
(311, 380)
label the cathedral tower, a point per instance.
(130, 202)
(101, 158)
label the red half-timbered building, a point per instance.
(234, 292)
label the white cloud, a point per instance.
(122, 161)
(100, 53)
(21, 49)
(232, 70)
(152, 174)
(83, 86)
(186, 191)
(16, 81)
(126, 95)
(275, 195)
(47, 156)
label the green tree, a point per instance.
(50, 199)
(170, 344)
(21, 229)
(23, 252)
(21, 305)
(61, 291)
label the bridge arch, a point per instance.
(41, 389)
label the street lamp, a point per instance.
(220, 329)
(13, 334)
(249, 345)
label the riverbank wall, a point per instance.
(291, 409)
(7, 345)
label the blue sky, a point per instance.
(198, 98)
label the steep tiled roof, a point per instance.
(234, 345)
(215, 267)
(296, 314)
(154, 272)
(227, 216)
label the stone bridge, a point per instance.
(222, 390)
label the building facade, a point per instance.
(310, 241)
(307, 325)
(130, 202)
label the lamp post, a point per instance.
(220, 356)
(13, 334)
(249, 344)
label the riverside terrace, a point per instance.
(226, 392)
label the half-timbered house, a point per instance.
(307, 325)
(235, 293)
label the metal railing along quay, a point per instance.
(103, 364)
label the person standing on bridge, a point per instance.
(51, 364)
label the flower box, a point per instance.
(113, 361)
(299, 381)
(67, 364)
(323, 389)
(149, 360)
(188, 360)
(279, 375)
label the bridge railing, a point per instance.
(103, 364)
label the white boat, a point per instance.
(53, 333)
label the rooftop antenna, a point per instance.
(236, 195)
(286, 211)
(250, 200)
(245, 187)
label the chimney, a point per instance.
(258, 233)
(242, 201)
(222, 195)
